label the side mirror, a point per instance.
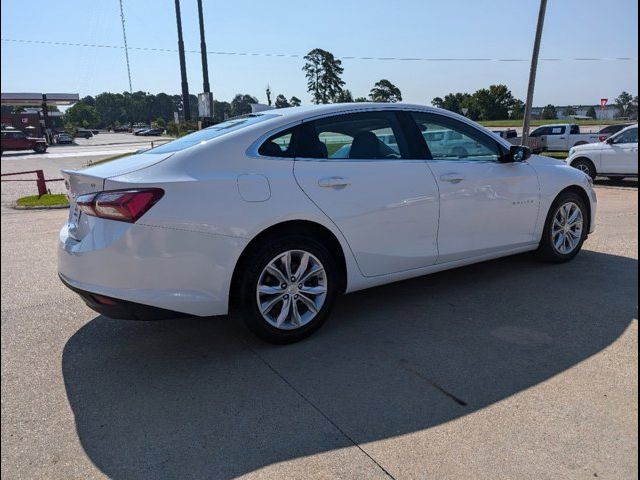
(610, 140)
(518, 153)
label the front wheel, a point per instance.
(40, 148)
(585, 165)
(565, 230)
(288, 289)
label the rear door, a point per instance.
(358, 169)
(486, 206)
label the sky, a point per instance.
(466, 29)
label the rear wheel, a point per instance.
(288, 289)
(585, 165)
(40, 148)
(565, 230)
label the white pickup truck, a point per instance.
(563, 136)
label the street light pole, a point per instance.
(183, 69)
(203, 51)
(532, 72)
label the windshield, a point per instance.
(210, 133)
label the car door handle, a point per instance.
(334, 182)
(452, 177)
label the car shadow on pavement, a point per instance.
(202, 398)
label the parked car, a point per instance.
(140, 131)
(536, 144)
(152, 132)
(253, 210)
(120, 129)
(609, 130)
(17, 140)
(82, 133)
(561, 137)
(63, 138)
(616, 157)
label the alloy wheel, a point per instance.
(566, 232)
(291, 289)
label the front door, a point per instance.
(621, 155)
(486, 206)
(356, 168)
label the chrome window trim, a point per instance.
(252, 150)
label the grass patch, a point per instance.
(537, 123)
(48, 200)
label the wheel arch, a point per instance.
(587, 159)
(301, 227)
(582, 193)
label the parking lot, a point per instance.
(510, 366)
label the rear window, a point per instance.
(207, 134)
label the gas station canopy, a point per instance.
(38, 98)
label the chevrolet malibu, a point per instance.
(270, 212)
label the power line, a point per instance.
(126, 49)
(294, 55)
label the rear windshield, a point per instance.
(210, 133)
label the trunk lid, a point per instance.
(92, 180)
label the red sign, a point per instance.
(603, 102)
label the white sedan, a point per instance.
(616, 157)
(269, 211)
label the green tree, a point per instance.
(624, 103)
(493, 103)
(295, 101)
(110, 107)
(88, 100)
(517, 110)
(569, 111)
(591, 112)
(344, 97)
(549, 113)
(360, 99)
(221, 111)
(241, 104)
(454, 102)
(323, 73)
(385, 91)
(82, 115)
(282, 102)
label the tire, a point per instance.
(552, 248)
(585, 165)
(273, 253)
(40, 148)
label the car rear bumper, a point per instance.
(121, 309)
(133, 265)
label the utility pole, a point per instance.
(203, 51)
(126, 47)
(186, 108)
(532, 72)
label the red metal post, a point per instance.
(42, 185)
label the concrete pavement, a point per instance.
(507, 369)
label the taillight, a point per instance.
(121, 205)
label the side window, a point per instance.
(354, 136)
(558, 130)
(448, 139)
(630, 136)
(280, 145)
(575, 130)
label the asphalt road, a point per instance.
(507, 369)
